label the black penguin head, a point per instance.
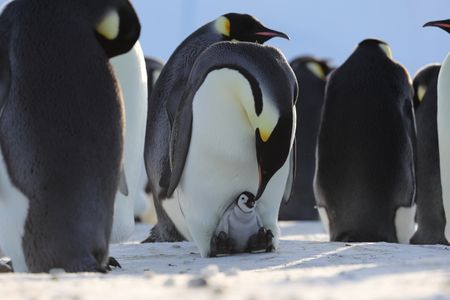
(319, 68)
(422, 80)
(117, 26)
(376, 44)
(246, 201)
(443, 24)
(246, 28)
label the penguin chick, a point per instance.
(238, 224)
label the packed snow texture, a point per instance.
(306, 266)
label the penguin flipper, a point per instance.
(180, 141)
(5, 74)
(123, 186)
(288, 191)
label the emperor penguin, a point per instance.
(430, 209)
(61, 130)
(311, 73)
(167, 96)
(144, 209)
(365, 181)
(131, 73)
(443, 126)
(233, 132)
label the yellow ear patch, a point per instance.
(386, 50)
(223, 26)
(316, 69)
(109, 26)
(421, 91)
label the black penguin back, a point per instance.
(61, 133)
(366, 146)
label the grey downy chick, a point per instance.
(241, 229)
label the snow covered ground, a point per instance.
(305, 267)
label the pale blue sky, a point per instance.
(326, 28)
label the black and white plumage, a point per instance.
(233, 132)
(443, 125)
(430, 210)
(167, 96)
(61, 130)
(365, 177)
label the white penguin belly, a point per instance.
(221, 162)
(13, 214)
(443, 120)
(131, 74)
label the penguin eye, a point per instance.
(243, 198)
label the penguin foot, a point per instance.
(164, 233)
(6, 267)
(429, 237)
(221, 245)
(261, 241)
(112, 263)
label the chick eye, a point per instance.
(243, 198)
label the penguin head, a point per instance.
(443, 24)
(319, 68)
(423, 80)
(376, 44)
(116, 24)
(246, 202)
(246, 28)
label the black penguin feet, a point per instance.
(261, 241)
(164, 232)
(6, 267)
(429, 237)
(221, 245)
(112, 263)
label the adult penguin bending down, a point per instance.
(61, 130)
(165, 99)
(233, 132)
(365, 176)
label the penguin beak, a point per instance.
(264, 178)
(443, 24)
(269, 33)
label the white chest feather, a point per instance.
(132, 76)
(444, 136)
(13, 214)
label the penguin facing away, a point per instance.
(131, 74)
(365, 176)
(165, 99)
(443, 125)
(233, 132)
(430, 209)
(311, 75)
(61, 130)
